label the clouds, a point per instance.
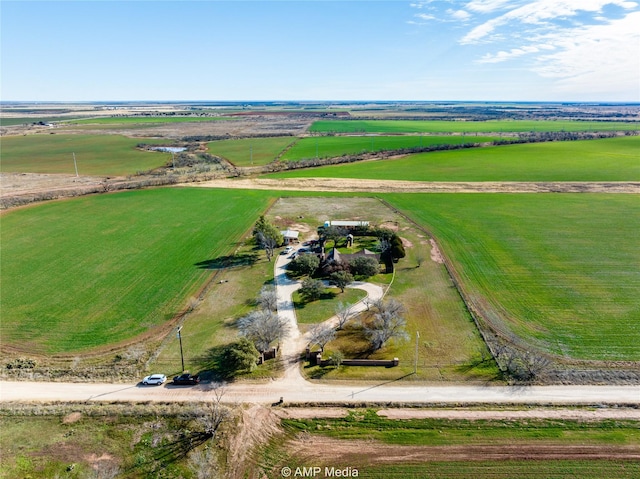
(573, 42)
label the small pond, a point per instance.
(169, 149)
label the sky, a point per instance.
(320, 50)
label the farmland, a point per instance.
(559, 271)
(95, 154)
(611, 159)
(379, 447)
(128, 120)
(333, 146)
(493, 126)
(249, 152)
(114, 266)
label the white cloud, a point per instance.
(537, 12)
(459, 14)
(502, 56)
(488, 6)
(605, 57)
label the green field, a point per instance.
(456, 449)
(561, 271)
(491, 126)
(333, 146)
(250, 151)
(95, 154)
(612, 159)
(97, 270)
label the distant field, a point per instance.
(492, 126)
(30, 119)
(611, 159)
(95, 154)
(561, 271)
(332, 146)
(250, 151)
(97, 270)
(109, 120)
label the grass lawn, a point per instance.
(611, 159)
(324, 308)
(491, 126)
(97, 270)
(95, 154)
(333, 146)
(560, 271)
(250, 151)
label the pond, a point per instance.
(169, 149)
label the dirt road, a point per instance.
(399, 392)
(394, 186)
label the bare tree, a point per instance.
(268, 243)
(213, 413)
(385, 326)
(263, 327)
(321, 334)
(392, 306)
(344, 313)
(268, 298)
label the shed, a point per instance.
(290, 236)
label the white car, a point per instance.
(156, 379)
(287, 250)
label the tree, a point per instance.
(336, 358)
(333, 233)
(343, 313)
(305, 264)
(397, 248)
(387, 324)
(364, 266)
(263, 327)
(268, 298)
(321, 334)
(239, 356)
(311, 289)
(392, 306)
(267, 236)
(340, 279)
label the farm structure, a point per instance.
(337, 257)
(290, 236)
(348, 225)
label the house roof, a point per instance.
(290, 234)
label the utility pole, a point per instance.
(75, 164)
(415, 365)
(181, 355)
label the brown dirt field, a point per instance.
(71, 418)
(256, 425)
(390, 186)
(353, 451)
(470, 414)
(436, 255)
(12, 184)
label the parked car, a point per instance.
(186, 379)
(156, 379)
(287, 250)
